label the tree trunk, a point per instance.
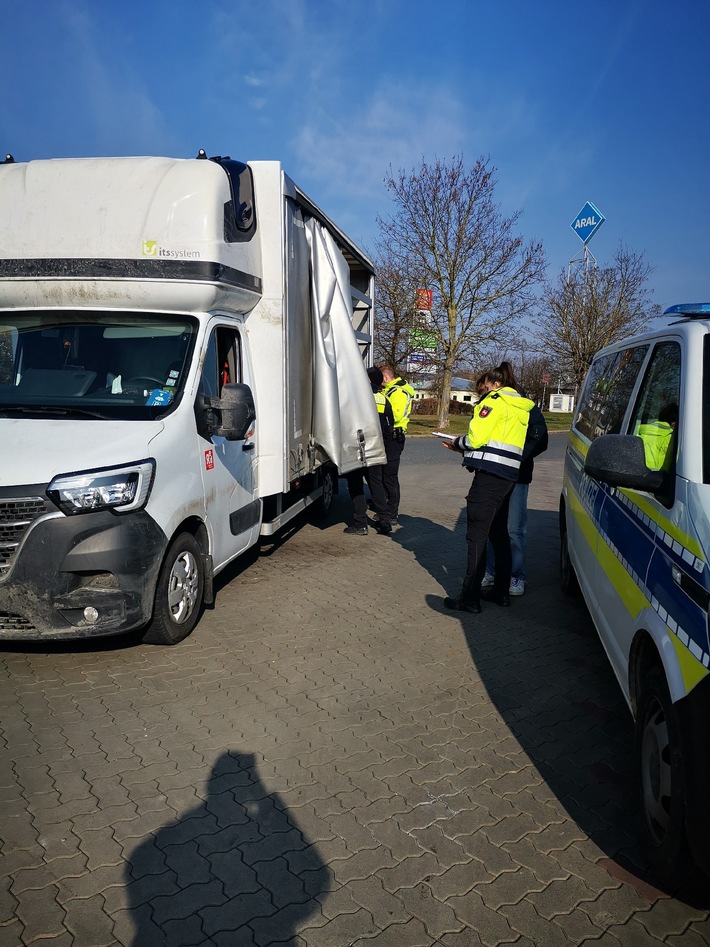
(445, 396)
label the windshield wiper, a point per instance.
(47, 410)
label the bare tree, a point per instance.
(591, 307)
(396, 310)
(531, 372)
(448, 229)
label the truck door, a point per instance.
(228, 474)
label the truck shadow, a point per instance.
(235, 869)
(548, 677)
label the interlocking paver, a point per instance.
(467, 937)
(40, 913)
(634, 934)
(36, 878)
(87, 920)
(411, 933)
(410, 872)
(437, 916)
(523, 918)
(342, 929)
(363, 864)
(493, 928)
(280, 777)
(509, 887)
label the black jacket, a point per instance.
(535, 443)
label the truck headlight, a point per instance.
(120, 489)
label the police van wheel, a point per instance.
(178, 595)
(323, 505)
(568, 577)
(660, 783)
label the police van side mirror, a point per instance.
(237, 412)
(620, 461)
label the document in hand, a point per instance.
(445, 437)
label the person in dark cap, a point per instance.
(373, 475)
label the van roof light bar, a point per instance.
(691, 310)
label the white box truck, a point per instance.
(183, 351)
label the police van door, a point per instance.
(228, 474)
(635, 523)
(604, 404)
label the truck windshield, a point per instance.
(94, 364)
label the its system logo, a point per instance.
(150, 248)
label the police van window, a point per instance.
(655, 416)
(607, 391)
(223, 361)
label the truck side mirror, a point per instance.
(237, 412)
(620, 461)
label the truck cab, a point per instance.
(182, 369)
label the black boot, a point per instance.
(468, 600)
(498, 598)
(461, 605)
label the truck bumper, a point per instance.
(82, 576)
(694, 719)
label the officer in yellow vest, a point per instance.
(493, 450)
(400, 395)
(373, 475)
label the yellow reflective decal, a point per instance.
(692, 670)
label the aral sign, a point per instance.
(587, 222)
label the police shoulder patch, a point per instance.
(484, 412)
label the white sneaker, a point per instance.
(488, 581)
(517, 587)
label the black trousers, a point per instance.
(487, 518)
(356, 488)
(390, 476)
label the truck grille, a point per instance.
(16, 515)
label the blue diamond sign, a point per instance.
(587, 222)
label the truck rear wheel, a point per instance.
(660, 782)
(179, 592)
(323, 505)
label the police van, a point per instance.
(635, 538)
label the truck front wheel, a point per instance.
(179, 592)
(660, 782)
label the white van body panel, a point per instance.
(42, 449)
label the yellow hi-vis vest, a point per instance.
(496, 434)
(656, 437)
(400, 394)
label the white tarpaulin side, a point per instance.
(345, 422)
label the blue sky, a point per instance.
(607, 102)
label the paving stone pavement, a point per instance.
(332, 759)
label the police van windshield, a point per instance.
(83, 363)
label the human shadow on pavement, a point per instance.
(547, 675)
(235, 870)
